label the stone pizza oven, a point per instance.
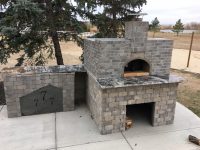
(126, 74)
(119, 77)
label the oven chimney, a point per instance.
(136, 30)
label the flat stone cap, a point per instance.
(45, 69)
(106, 83)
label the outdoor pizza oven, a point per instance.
(126, 77)
(129, 79)
(137, 67)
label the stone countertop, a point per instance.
(106, 83)
(56, 69)
(45, 69)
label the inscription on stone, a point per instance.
(47, 99)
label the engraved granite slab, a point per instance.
(47, 99)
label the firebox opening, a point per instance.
(140, 114)
(136, 67)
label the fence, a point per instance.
(182, 41)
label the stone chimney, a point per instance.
(137, 31)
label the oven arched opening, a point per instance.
(137, 67)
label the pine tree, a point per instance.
(154, 26)
(33, 25)
(110, 21)
(178, 27)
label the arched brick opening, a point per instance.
(137, 67)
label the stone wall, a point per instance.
(94, 100)
(108, 57)
(108, 106)
(18, 85)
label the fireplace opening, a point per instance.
(139, 114)
(137, 67)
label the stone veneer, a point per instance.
(108, 93)
(108, 104)
(29, 79)
(106, 57)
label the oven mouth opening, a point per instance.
(137, 68)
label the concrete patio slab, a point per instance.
(177, 140)
(107, 145)
(76, 130)
(27, 133)
(77, 127)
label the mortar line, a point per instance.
(127, 141)
(55, 133)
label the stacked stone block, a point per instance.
(108, 57)
(18, 85)
(94, 100)
(108, 105)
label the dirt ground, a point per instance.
(70, 51)
(180, 58)
(188, 92)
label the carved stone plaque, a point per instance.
(47, 99)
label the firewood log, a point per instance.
(129, 123)
(194, 140)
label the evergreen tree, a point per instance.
(33, 25)
(110, 22)
(154, 26)
(178, 27)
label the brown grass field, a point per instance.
(188, 92)
(182, 41)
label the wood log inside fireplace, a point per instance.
(135, 74)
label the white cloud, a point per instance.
(169, 11)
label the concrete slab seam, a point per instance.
(55, 135)
(87, 143)
(127, 141)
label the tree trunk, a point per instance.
(114, 25)
(57, 48)
(53, 33)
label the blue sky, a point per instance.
(169, 11)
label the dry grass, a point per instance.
(189, 91)
(182, 41)
(70, 51)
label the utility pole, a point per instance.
(190, 51)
